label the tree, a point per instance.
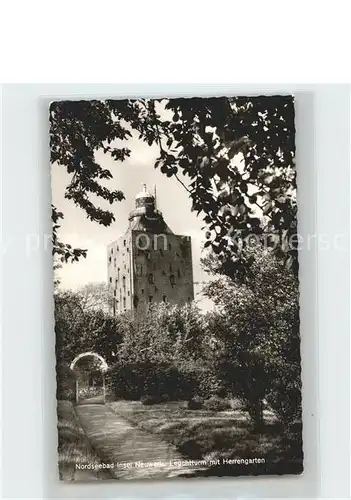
(81, 328)
(77, 130)
(57, 265)
(161, 353)
(257, 350)
(95, 297)
(236, 156)
(163, 333)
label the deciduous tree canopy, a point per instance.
(235, 156)
(256, 330)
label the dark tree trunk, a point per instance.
(256, 414)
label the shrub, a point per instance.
(152, 400)
(195, 403)
(158, 380)
(237, 404)
(286, 404)
(65, 383)
(201, 381)
(216, 404)
(86, 392)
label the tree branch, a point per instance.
(182, 183)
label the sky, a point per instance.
(128, 176)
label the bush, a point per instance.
(217, 404)
(65, 383)
(87, 392)
(237, 404)
(286, 404)
(145, 379)
(195, 403)
(152, 400)
(134, 381)
(202, 382)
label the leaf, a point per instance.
(216, 248)
(243, 187)
(260, 128)
(268, 179)
(267, 208)
(231, 153)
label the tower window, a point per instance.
(114, 293)
(111, 250)
(142, 290)
(115, 261)
(179, 273)
(172, 279)
(169, 247)
(109, 259)
(116, 282)
(117, 248)
(124, 242)
(124, 281)
(124, 302)
(127, 249)
(139, 269)
(150, 299)
(164, 298)
(110, 280)
(128, 293)
(151, 278)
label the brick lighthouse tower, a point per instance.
(149, 263)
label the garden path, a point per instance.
(118, 442)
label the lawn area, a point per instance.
(218, 435)
(73, 446)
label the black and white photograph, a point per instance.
(176, 290)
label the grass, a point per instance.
(73, 446)
(218, 435)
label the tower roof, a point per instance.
(144, 193)
(145, 216)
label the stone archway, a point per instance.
(101, 366)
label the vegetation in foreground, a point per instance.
(248, 349)
(219, 435)
(73, 446)
(198, 139)
(249, 346)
